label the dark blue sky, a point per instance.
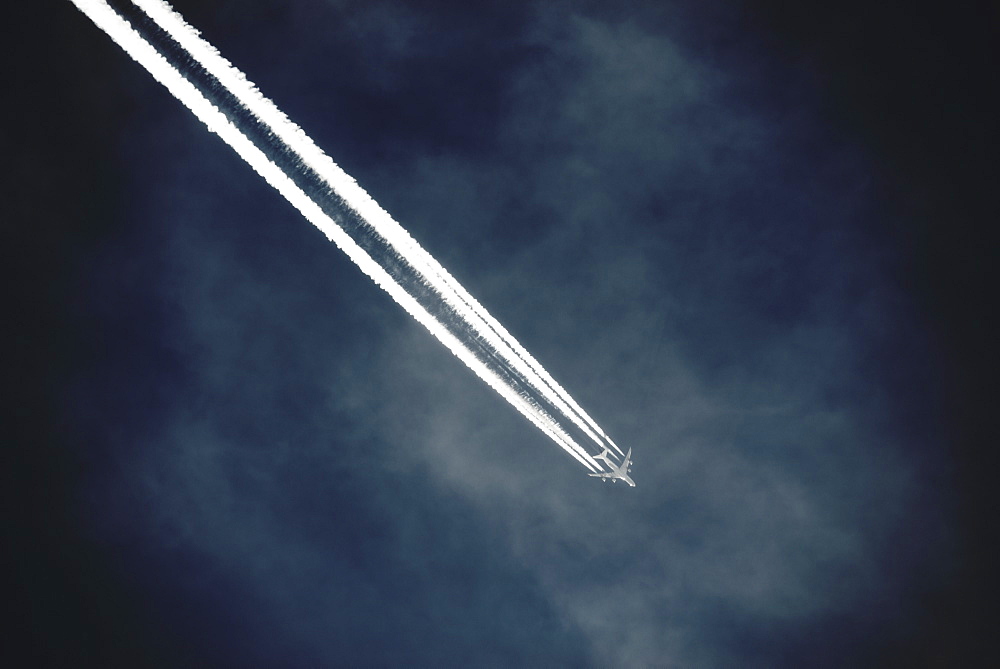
(751, 240)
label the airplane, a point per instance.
(617, 471)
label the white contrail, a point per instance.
(147, 56)
(482, 324)
(402, 243)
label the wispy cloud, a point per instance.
(688, 251)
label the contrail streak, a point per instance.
(404, 245)
(222, 98)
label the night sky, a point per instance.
(752, 239)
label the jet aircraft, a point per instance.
(617, 471)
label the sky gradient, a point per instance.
(751, 243)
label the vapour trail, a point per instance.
(402, 243)
(147, 56)
(296, 142)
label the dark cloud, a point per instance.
(740, 310)
(286, 470)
